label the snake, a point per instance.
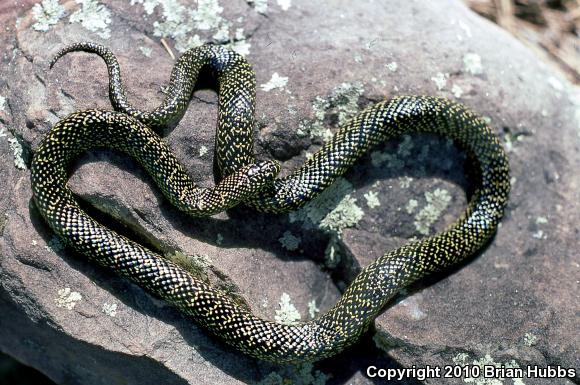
(245, 180)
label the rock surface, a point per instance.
(515, 304)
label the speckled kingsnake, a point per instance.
(251, 182)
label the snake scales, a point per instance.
(255, 184)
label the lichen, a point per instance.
(202, 151)
(463, 360)
(343, 102)
(313, 310)
(192, 27)
(196, 264)
(372, 198)
(207, 16)
(346, 214)
(47, 13)
(437, 201)
(284, 4)
(109, 309)
(332, 211)
(392, 66)
(472, 63)
(399, 159)
(67, 298)
(555, 83)
(287, 314)
(457, 91)
(219, 239)
(530, 339)
(440, 80)
(17, 151)
(93, 16)
(275, 82)
(302, 374)
(539, 234)
(289, 241)
(146, 51)
(411, 206)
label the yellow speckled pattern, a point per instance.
(255, 184)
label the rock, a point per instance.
(513, 304)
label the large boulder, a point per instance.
(513, 305)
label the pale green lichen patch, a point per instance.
(457, 91)
(372, 199)
(196, 264)
(313, 310)
(191, 27)
(276, 82)
(440, 80)
(287, 314)
(343, 102)
(392, 66)
(539, 234)
(289, 241)
(411, 206)
(472, 64)
(146, 51)
(67, 298)
(530, 339)
(510, 141)
(219, 239)
(284, 4)
(463, 360)
(47, 13)
(17, 151)
(332, 211)
(437, 201)
(202, 151)
(302, 374)
(109, 309)
(93, 16)
(346, 214)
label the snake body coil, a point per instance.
(254, 183)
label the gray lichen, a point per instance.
(343, 102)
(487, 360)
(109, 309)
(372, 198)
(17, 151)
(303, 374)
(47, 13)
(276, 82)
(332, 211)
(437, 201)
(67, 298)
(289, 241)
(196, 264)
(472, 64)
(191, 27)
(93, 16)
(287, 314)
